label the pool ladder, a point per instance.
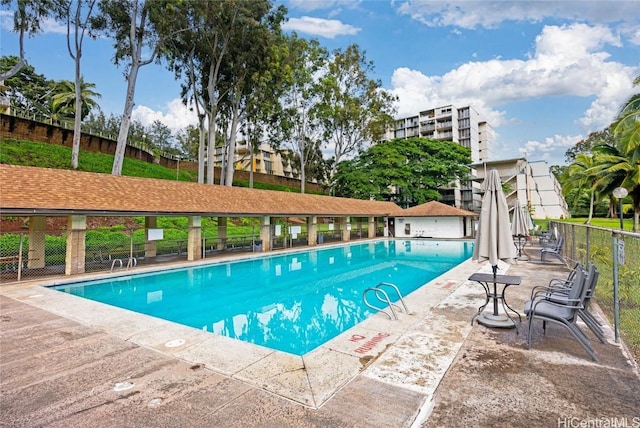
(131, 262)
(383, 297)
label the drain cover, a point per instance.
(122, 386)
(174, 343)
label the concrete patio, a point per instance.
(71, 363)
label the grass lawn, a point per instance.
(607, 223)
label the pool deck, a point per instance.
(66, 361)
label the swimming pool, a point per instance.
(292, 302)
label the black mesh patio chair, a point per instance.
(561, 307)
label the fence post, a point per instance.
(588, 246)
(20, 258)
(574, 246)
(616, 297)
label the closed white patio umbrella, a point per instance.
(494, 241)
(521, 225)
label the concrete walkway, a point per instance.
(60, 367)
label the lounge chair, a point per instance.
(561, 307)
(555, 251)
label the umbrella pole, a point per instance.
(495, 290)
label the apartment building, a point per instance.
(462, 125)
(531, 185)
(265, 160)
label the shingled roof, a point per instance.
(43, 191)
(437, 209)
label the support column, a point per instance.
(150, 246)
(386, 227)
(35, 258)
(372, 227)
(76, 232)
(312, 231)
(346, 228)
(222, 233)
(194, 239)
(265, 233)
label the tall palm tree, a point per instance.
(627, 126)
(620, 166)
(577, 177)
(63, 103)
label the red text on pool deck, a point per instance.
(369, 344)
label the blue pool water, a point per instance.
(292, 303)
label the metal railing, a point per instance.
(616, 253)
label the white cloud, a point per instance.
(552, 148)
(472, 14)
(47, 25)
(329, 28)
(177, 116)
(6, 20)
(567, 61)
(633, 34)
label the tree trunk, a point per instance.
(250, 146)
(232, 143)
(211, 147)
(201, 148)
(77, 122)
(121, 146)
(591, 207)
(303, 161)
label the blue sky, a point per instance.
(543, 73)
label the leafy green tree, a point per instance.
(558, 171)
(138, 28)
(27, 17)
(298, 127)
(621, 166)
(160, 137)
(188, 141)
(597, 138)
(99, 124)
(29, 92)
(353, 110)
(247, 72)
(197, 54)
(627, 126)
(578, 177)
(407, 171)
(316, 167)
(77, 14)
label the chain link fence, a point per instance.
(116, 248)
(617, 256)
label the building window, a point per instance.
(407, 228)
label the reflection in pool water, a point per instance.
(292, 303)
